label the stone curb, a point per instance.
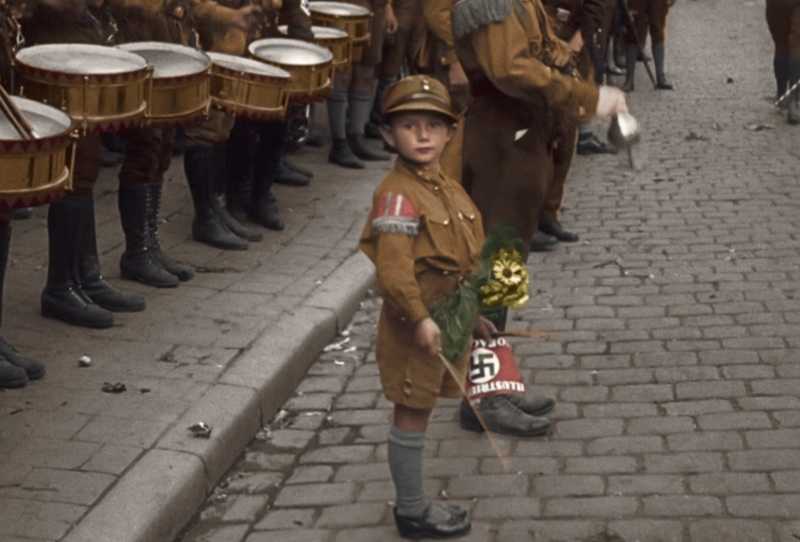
(155, 499)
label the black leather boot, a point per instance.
(454, 523)
(290, 177)
(239, 172)
(342, 155)
(295, 167)
(62, 297)
(34, 370)
(267, 213)
(269, 151)
(181, 270)
(551, 226)
(531, 404)
(12, 375)
(780, 65)
(502, 416)
(207, 226)
(793, 107)
(543, 242)
(360, 147)
(658, 60)
(219, 199)
(139, 262)
(630, 68)
(90, 277)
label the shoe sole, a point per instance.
(136, 278)
(413, 535)
(55, 315)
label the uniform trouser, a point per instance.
(87, 165)
(215, 129)
(148, 153)
(783, 19)
(562, 150)
(509, 180)
(406, 42)
(649, 15)
(5, 240)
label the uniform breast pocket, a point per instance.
(438, 240)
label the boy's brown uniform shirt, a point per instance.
(424, 233)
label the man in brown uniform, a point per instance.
(524, 84)
(648, 15)
(76, 291)
(15, 369)
(783, 18)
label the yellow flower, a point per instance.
(508, 283)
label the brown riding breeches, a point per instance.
(563, 150)
(148, 153)
(87, 165)
(649, 15)
(783, 19)
(511, 159)
(404, 44)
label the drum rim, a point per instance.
(48, 110)
(365, 13)
(164, 46)
(327, 56)
(21, 61)
(281, 75)
(339, 34)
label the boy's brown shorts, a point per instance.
(408, 375)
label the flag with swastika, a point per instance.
(493, 370)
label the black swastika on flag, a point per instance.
(484, 366)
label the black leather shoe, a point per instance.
(554, 228)
(68, 305)
(363, 150)
(267, 213)
(590, 144)
(502, 416)
(614, 70)
(242, 230)
(299, 169)
(342, 155)
(542, 242)
(103, 294)
(663, 84)
(458, 524)
(11, 376)
(286, 175)
(34, 370)
(529, 404)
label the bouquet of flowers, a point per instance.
(500, 282)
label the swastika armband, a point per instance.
(394, 213)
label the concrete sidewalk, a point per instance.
(227, 348)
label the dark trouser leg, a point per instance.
(630, 68)
(361, 98)
(239, 165)
(270, 147)
(794, 65)
(207, 227)
(11, 376)
(778, 21)
(563, 152)
(220, 191)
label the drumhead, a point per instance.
(320, 32)
(46, 121)
(338, 9)
(290, 52)
(80, 59)
(169, 59)
(247, 65)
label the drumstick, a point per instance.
(504, 460)
(14, 116)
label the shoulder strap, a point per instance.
(470, 15)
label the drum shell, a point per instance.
(342, 49)
(258, 97)
(357, 27)
(308, 83)
(173, 100)
(34, 172)
(94, 101)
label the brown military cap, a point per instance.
(418, 93)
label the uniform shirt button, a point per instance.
(446, 222)
(445, 272)
(460, 215)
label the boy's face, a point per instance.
(418, 137)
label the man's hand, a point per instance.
(456, 75)
(428, 337)
(575, 43)
(391, 20)
(610, 101)
(484, 329)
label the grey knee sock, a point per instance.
(405, 464)
(360, 109)
(658, 60)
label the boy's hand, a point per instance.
(428, 337)
(484, 329)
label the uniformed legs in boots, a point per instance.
(207, 227)
(15, 369)
(783, 19)
(148, 152)
(362, 96)
(218, 200)
(340, 154)
(658, 37)
(240, 150)
(793, 114)
(270, 137)
(631, 54)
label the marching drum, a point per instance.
(35, 171)
(178, 89)
(100, 87)
(353, 19)
(310, 66)
(334, 39)
(248, 88)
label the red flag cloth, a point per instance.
(493, 370)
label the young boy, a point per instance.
(424, 234)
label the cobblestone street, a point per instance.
(673, 348)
